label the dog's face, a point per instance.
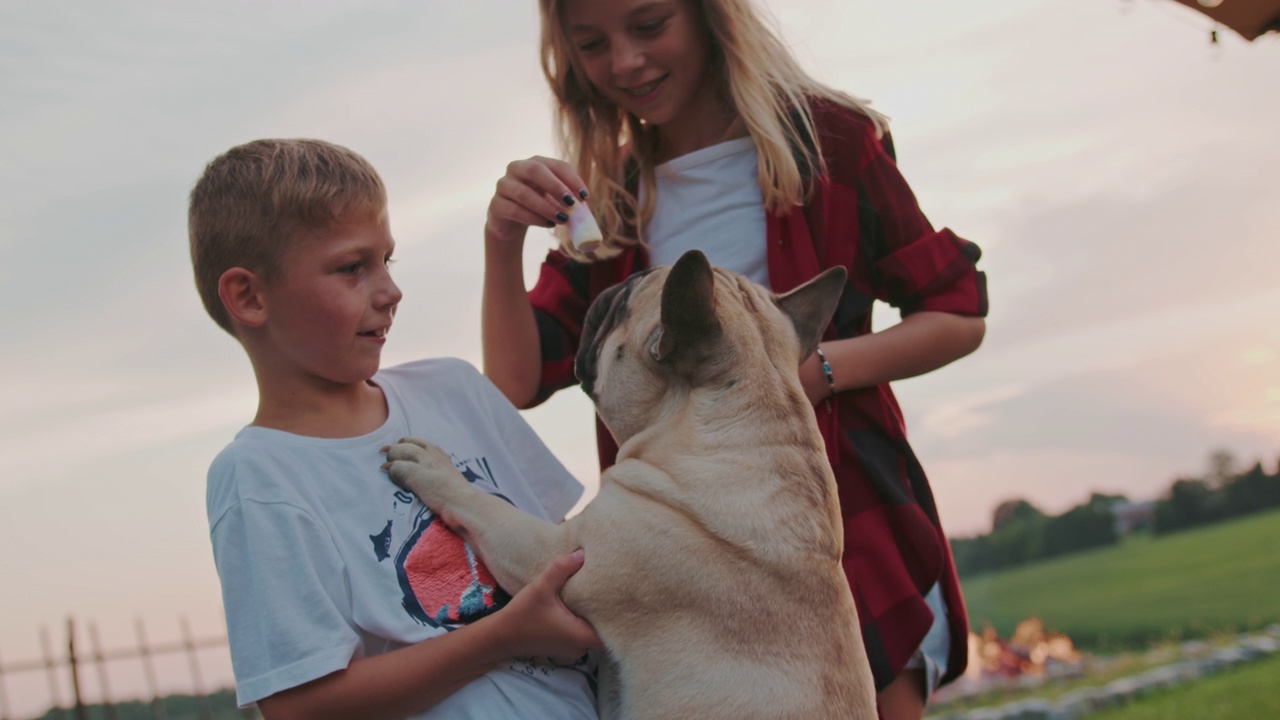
(652, 339)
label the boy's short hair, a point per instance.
(254, 199)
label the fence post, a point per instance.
(4, 699)
(51, 669)
(82, 713)
(206, 713)
(107, 705)
(149, 672)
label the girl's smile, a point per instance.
(646, 93)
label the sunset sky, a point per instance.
(1118, 171)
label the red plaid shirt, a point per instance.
(861, 215)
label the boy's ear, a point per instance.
(241, 293)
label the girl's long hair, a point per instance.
(761, 81)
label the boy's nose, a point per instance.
(388, 294)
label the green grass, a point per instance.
(1219, 579)
(1242, 693)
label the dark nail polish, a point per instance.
(568, 200)
(562, 217)
(583, 193)
(550, 224)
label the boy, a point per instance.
(344, 596)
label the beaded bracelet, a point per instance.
(826, 369)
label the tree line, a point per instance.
(1021, 533)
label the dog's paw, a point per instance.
(416, 466)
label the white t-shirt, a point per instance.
(324, 560)
(710, 200)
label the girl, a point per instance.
(690, 125)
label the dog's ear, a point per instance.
(688, 308)
(811, 306)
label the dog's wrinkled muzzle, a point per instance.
(604, 316)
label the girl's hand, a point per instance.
(540, 623)
(534, 192)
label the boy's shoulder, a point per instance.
(251, 467)
(434, 370)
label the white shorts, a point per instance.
(935, 648)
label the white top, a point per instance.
(710, 200)
(324, 560)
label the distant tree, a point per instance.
(972, 555)
(1014, 510)
(220, 703)
(1018, 541)
(1222, 468)
(1106, 500)
(1083, 527)
(1189, 502)
(1021, 533)
(1250, 492)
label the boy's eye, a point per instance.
(350, 268)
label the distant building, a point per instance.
(1131, 516)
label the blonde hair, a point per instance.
(763, 83)
(256, 198)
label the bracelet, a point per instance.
(826, 370)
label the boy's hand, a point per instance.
(539, 622)
(538, 191)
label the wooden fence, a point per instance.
(77, 662)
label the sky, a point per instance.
(1117, 169)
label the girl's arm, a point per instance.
(923, 342)
(932, 274)
(406, 681)
(536, 191)
(509, 334)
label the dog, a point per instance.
(713, 548)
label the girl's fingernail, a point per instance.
(550, 224)
(568, 200)
(562, 217)
(583, 193)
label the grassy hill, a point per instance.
(1221, 578)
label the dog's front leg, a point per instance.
(513, 544)
(609, 689)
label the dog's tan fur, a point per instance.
(713, 548)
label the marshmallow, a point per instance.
(584, 233)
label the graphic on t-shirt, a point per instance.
(443, 581)
(382, 543)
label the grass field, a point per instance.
(1218, 579)
(1243, 693)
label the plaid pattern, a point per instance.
(861, 215)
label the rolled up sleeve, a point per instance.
(560, 300)
(913, 266)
